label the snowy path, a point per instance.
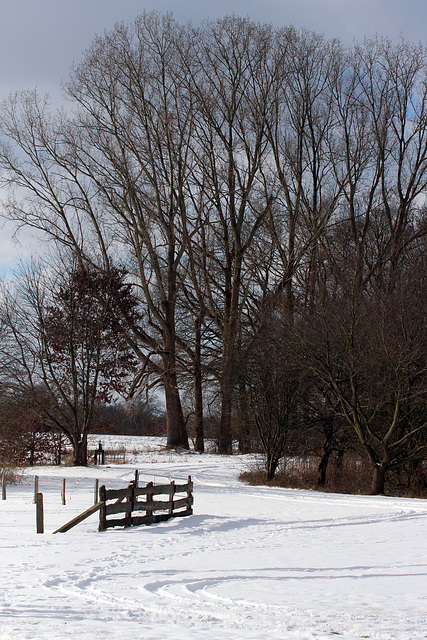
(251, 563)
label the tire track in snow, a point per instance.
(199, 601)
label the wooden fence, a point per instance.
(134, 499)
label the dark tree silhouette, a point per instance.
(69, 340)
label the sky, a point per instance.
(41, 39)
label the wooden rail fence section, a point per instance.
(128, 502)
(82, 516)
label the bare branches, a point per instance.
(233, 168)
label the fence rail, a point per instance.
(127, 502)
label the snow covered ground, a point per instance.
(251, 563)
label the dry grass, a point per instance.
(11, 474)
(350, 474)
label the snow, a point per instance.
(252, 562)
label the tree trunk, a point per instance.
(175, 424)
(378, 480)
(225, 441)
(245, 444)
(380, 466)
(176, 430)
(199, 444)
(272, 463)
(80, 452)
(323, 465)
(328, 430)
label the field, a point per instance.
(251, 563)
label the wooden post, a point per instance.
(102, 510)
(135, 485)
(66, 527)
(171, 496)
(130, 500)
(95, 492)
(149, 512)
(63, 491)
(189, 496)
(3, 485)
(39, 513)
(36, 488)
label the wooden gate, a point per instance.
(134, 499)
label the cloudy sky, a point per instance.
(42, 38)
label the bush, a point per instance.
(350, 474)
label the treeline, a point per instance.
(256, 196)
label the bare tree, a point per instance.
(368, 354)
(137, 125)
(230, 81)
(274, 379)
(300, 130)
(66, 349)
(226, 166)
(113, 177)
(379, 154)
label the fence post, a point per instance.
(95, 492)
(39, 513)
(3, 485)
(149, 512)
(171, 495)
(102, 511)
(36, 488)
(63, 491)
(189, 498)
(135, 486)
(130, 500)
